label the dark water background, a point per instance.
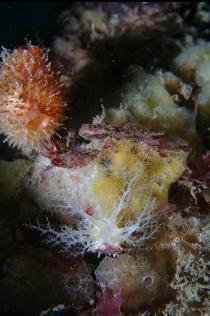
(31, 21)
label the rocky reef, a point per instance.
(105, 183)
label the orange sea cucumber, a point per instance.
(32, 98)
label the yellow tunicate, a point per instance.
(151, 173)
(108, 190)
(146, 102)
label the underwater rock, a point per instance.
(35, 279)
(147, 100)
(13, 174)
(191, 280)
(193, 64)
(143, 277)
(98, 42)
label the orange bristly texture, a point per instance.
(32, 99)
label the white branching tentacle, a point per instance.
(122, 203)
(96, 234)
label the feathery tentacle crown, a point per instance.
(31, 98)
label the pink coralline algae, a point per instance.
(160, 141)
(108, 303)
